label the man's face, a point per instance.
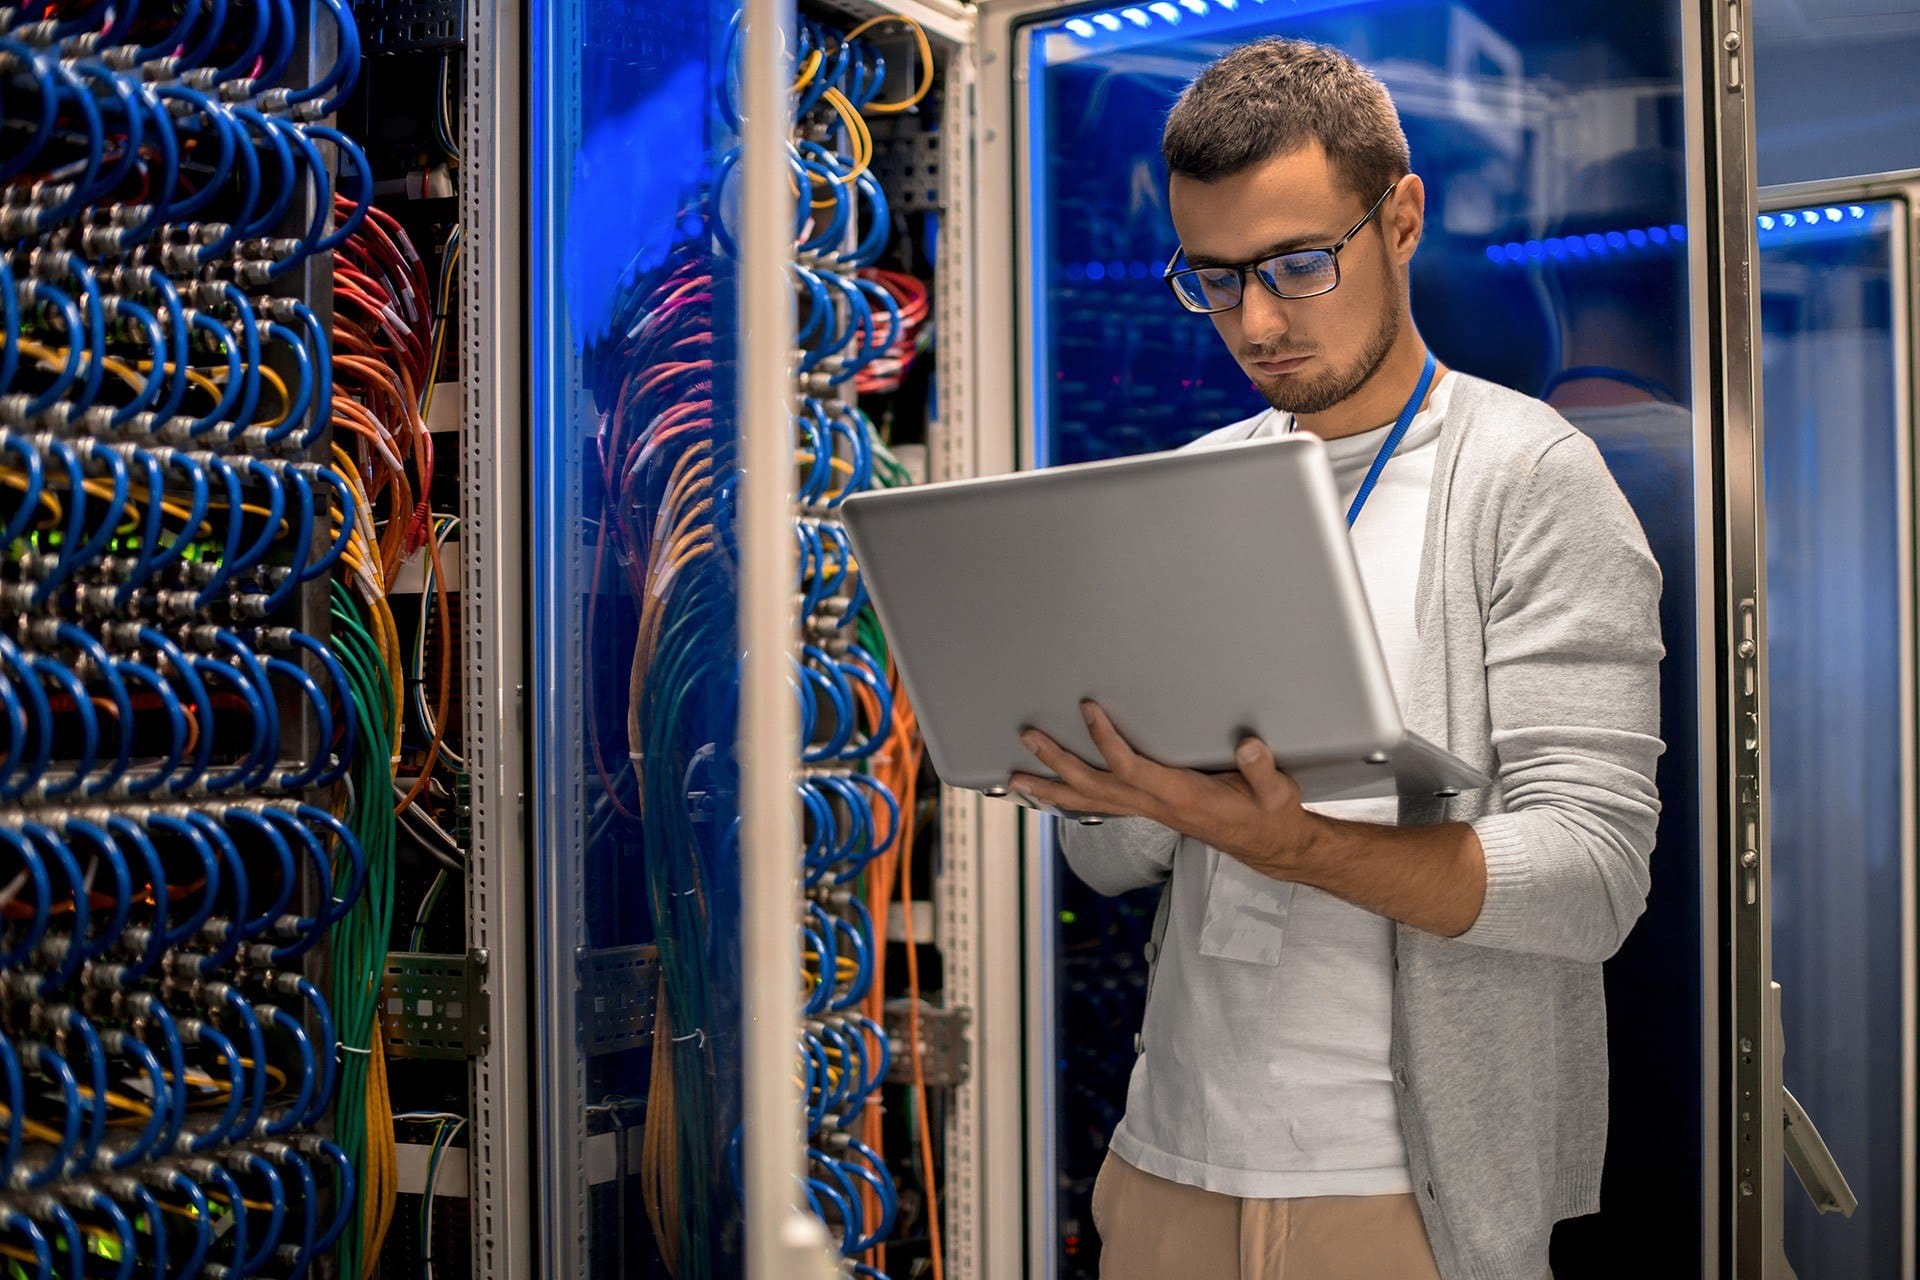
(1307, 354)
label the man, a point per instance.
(1375, 1041)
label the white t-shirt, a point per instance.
(1265, 1072)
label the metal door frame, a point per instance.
(1901, 186)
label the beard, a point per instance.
(1290, 394)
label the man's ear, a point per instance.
(1407, 218)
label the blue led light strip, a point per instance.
(1815, 222)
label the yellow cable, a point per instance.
(809, 69)
(18, 480)
(926, 62)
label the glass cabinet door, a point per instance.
(1835, 345)
(1553, 145)
(634, 703)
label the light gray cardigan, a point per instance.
(1539, 648)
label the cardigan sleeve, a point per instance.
(1573, 692)
(1120, 854)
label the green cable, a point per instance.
(359, 940)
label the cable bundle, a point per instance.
(857, 329)
(178, 740)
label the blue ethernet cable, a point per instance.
(17, 1220)
(309, 775)
(236, 1233)
(72, 947)
(277, 1212)
(58, 1163)
(197, 694)
(302, 544)
(296, 1112)
(304, 930)
(28, 61)
(196, 474)
(15, 1120)
(349, 717)
(249, 662)
(184, 206)
(171, 40)
(279, 23)
(70, 1237)
(36, 871)
(122, 908)
(229, 932)
(257, 1049)
(303, 399)
(10, 313)
(57, 672)
(150, 1139)
(195, 55)
(260, 747)
(98, 186)
(270, 477)
(263, 220)
(39, 294)
(108, 1208)
(340, 76)
(257, 821)
(125, 829)
(322, 352)
(155, 1011)
(348, 512)
(223, 409)
(309, 1200)
(65, 1018)
(152, 1215)
(345, 1192)
(38, 717)
(352, 156)
(108, 671)
(344, 841)
(198, 1212)
(236, 528)
(223, 1131)
(32, 462)
(210, 872)
(243, 57)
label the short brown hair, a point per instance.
(1274, 96)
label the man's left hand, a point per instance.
(1253, 814)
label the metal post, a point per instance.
(782, 1242)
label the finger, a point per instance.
(1062, 796)
(1270, 787)
(1072, 769)
(1125, 763)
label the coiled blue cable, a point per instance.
(223, 1130)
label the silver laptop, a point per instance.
(1198, 596)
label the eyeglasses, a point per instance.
(1303, 273)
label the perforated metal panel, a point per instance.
(407, 26)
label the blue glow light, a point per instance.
(1107, 20)
(1138, 17)
(1823, 222)
(1096, 271)
(1198, 8)
(1081, 27)
(1165, 10)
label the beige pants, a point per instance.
(1153, 1229)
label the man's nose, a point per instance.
(1263, 317)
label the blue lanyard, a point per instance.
(1392, 442)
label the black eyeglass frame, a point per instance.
(1242, 268)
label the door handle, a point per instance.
(1813, 1164)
